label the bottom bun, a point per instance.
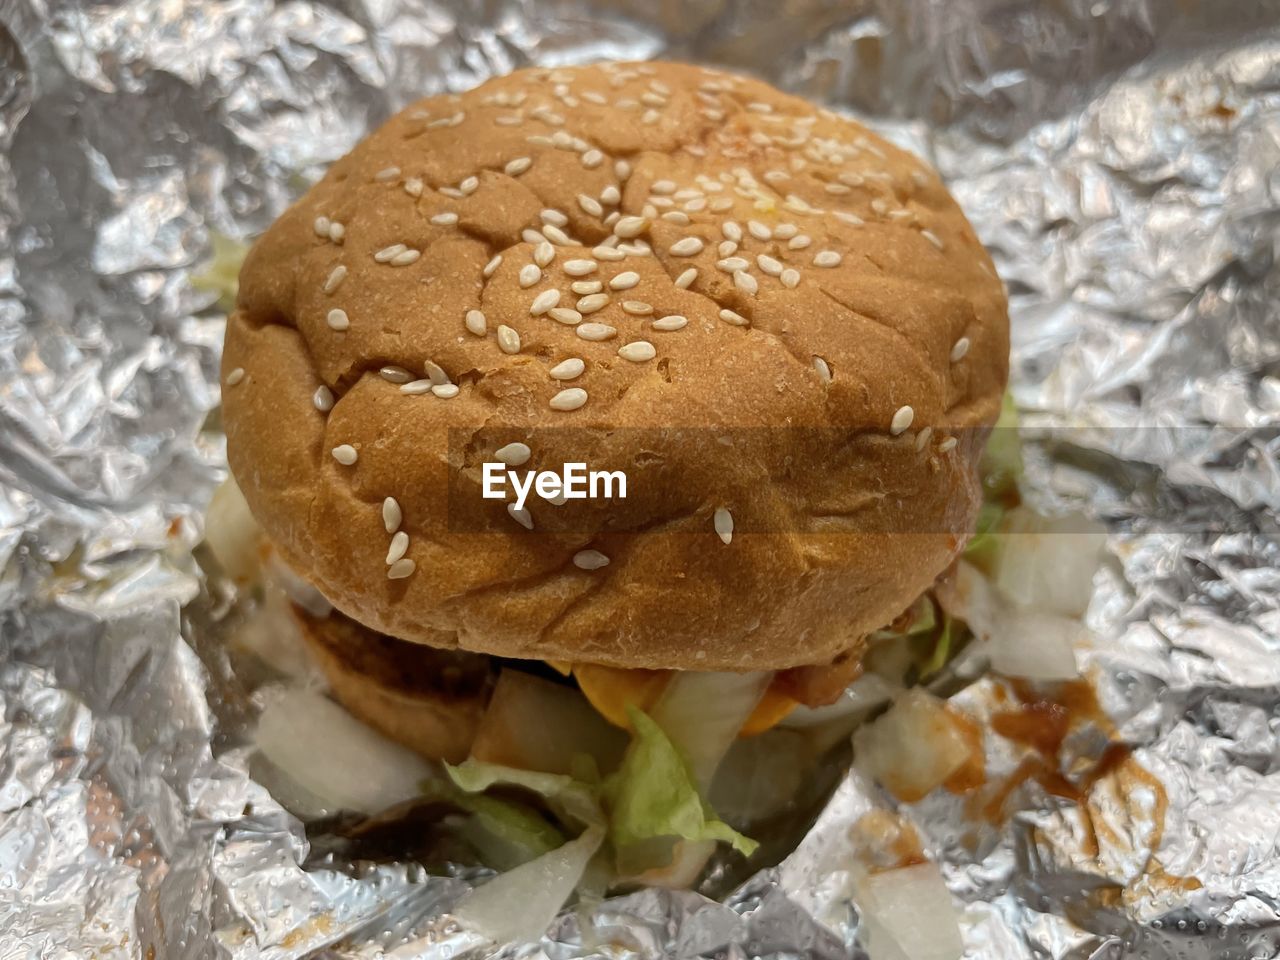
(430, 700)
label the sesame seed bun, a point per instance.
(795, 351)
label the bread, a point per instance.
(431, 701)
(837, 414)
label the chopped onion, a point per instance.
(907, 914)
(271, 633)
(703, 712)
(336, 758)
(1047, 563)
(913, 747)
(534, 724)
(232, 534)
(519, 905)
(1019, 641)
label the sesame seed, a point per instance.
(515, 454)
(335, 278)
(394, 374)
(687, 247)
(823, 368)
(452, 192)
(476, 323)
(445, 391)
(827, 258)
(337, 319)
(398, 548)
(727, 248)
(759, 230)
(583, 287)
(569, 369)
(721, 204)
(416, 388)
(592, 96)
(637, 308)
(624, 281)
(649, 117)
(685, 279)
(638, 351)
(901, 420)
(565, 315)
(608, 253)
(389, 173)
(554, 217)
(544, 302)
(520, 515)
(922, 438)
(732, 264)
(345, 454)
(596, 331)
(675, 216)
(947, 445)
(651, 207)
(622, 169)
(731, 231)
(629, 227)
(757, 107)
(653, 99)
(517, 166)
(529, 275)
(580, 268)
(790, 278)
(729, 316)
(590, 205)
(746, 283)
(697, 204)
(722, 521)
(405, 257)
(959, 350)
(799, 242)
(850, 218)
(446, 219)
(387, 253)
(592, 159)
(637, 249)
(435, 373)
(768, 265)
(663, 187)
(322, 399)
(837, 189)
(469, 185)
(556, 235)
(321, 226)
(509, 120)
(571, 398)
(590, 560)
(543, 254)
(932, 238)
(785, 231)
(508, 340)
(670, 323)
(611, 195)
(401, 569)
(391, 514)
(491, 266)
(592, 302)
(336, 232)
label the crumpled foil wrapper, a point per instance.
(1121, 159)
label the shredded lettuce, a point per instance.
(505, 833)
(222, 276)
(941, 649)
(1000, 470)
(575, 801)
(654, 796)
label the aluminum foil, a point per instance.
(1121, 158)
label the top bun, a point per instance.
(844, 355)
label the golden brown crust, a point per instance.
(431, 701)
(839, 523)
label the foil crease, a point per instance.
(1121, 159)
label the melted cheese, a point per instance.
(611, 690)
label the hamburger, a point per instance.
(779, 326)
